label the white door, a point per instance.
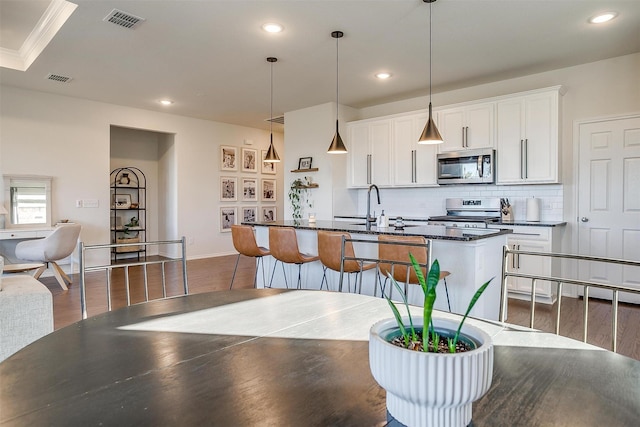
(609, 201)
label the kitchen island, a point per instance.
(472, 255)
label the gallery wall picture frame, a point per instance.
(269, 214)
(122, 201)
(249, 160)
(249, 213)
(228, 158)
(304, 163)
(228, 189)
(228, 217)
(268, 168)
(268, 190)
(249, 189)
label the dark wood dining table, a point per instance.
(288, 358)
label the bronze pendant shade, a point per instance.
(337, 146)
(430, 134)
(272, 154)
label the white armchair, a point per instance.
(58, 245)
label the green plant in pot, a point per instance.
(299, 197)
(426, 386)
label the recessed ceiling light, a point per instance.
(602, 17)
(383, 76)
(166, 102)
(272, 27)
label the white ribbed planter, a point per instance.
(430, 389)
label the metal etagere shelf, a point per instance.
(128, 211)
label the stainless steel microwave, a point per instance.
(467, 167)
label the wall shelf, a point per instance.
(314, 185)
(304, 170)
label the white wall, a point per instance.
(69, 139)
(309, 133)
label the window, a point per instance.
(29, 200)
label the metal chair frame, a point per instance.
(615, 289)
(82, 250)
(377, 261)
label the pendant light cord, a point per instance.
(337, 79)
(271, 107)
(430, 72)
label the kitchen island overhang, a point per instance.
(473, 256)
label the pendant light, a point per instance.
(272, 155)
(430, 134)
(337, 146)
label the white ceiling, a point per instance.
(209, 57)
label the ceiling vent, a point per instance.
(123, 19)
(59, 78)
(279, 120)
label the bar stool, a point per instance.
(330, 250)
(283, 244)
(245, 243)
(404, 273)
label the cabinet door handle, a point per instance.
(526, 158)
(414, 166)
(522, 159)
(466, 136)
(518, 258)
(368, 168)
(463, 137)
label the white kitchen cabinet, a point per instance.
(369, 153)
(468, 127)
(528, 138)
(532, 239)
(414, 165)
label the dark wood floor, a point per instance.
(214, 274)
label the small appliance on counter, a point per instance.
(533, 209)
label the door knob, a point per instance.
(584, 219)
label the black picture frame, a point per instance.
(304, 163)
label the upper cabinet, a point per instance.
(369, 153)
(523, 129)
(528, 138)
(413, 164)
(468, 127)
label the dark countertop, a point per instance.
(267, 357)
(391, 218)
(433, 232)
(530, 223)
(509, 223)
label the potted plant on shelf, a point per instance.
(433, 368)
(129, 236)
(299, 196)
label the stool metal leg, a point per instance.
(234, 273)
(447, 292)
(275, 264)
(299, 285)
(324, 278)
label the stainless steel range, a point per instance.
(471, 212)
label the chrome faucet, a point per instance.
(371, 219)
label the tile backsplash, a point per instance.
(426, 202)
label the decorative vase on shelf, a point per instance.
(124, 179)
